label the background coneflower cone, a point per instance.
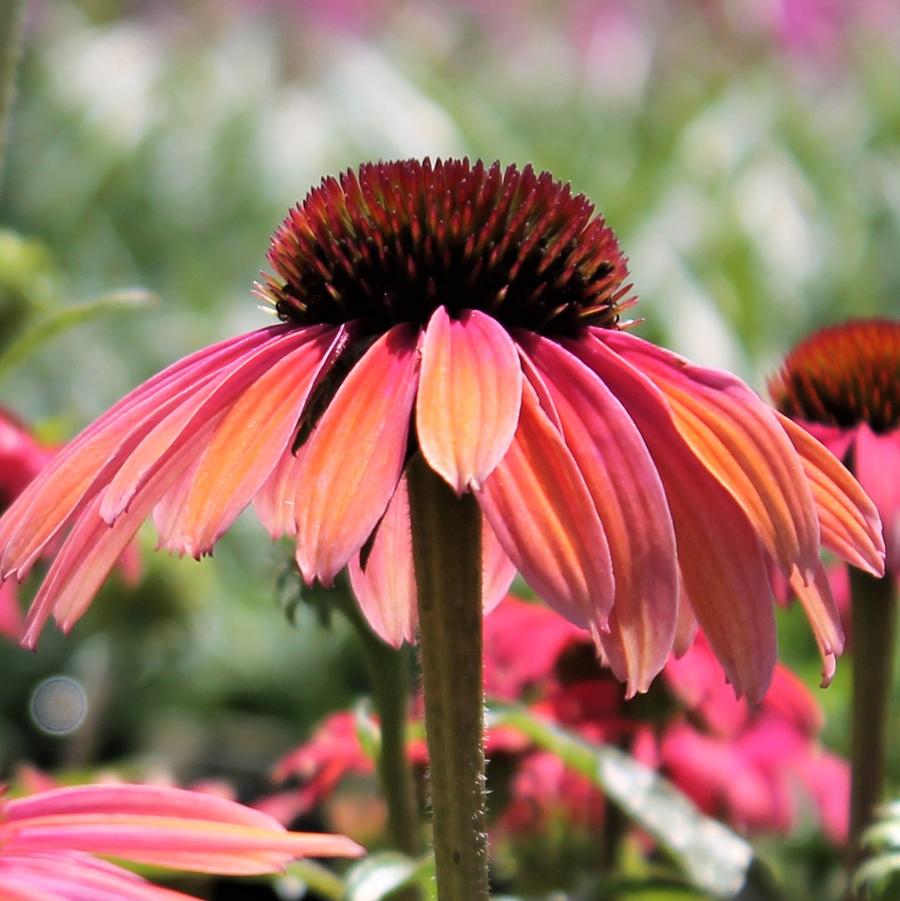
(470, 315)
(842, 384)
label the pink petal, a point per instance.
(304, 347)
(74, 877)
(720, 556)
(10, 613)
(246, 446)
(469, 396)
(738, 439)
(159, 826)
(274, 502)
(386, 588)
(538, 506)
(876, 462)
(87, 463)
(497, 570)
(93, 548)
(351, 464)
(824, 618)
(629, 498)
(685, 626)
(849, 520)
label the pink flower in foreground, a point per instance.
(842, 384)
(469, 315)
(49, 841)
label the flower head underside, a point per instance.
(469, 315)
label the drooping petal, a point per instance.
(497, 570)
(876, 462)
(628, 495)
(738, 439)
(685, 627)
(303, 349)
(93, 547)
(246, 446)
(538, 506)
(274, 502)
(88, 462)
(848, 518)
(721, 559)
(824, 618)
(350, 466)
(386, 587)
(469, 396)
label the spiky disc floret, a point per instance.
(393, 241)
(844, 375)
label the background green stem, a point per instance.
(12, 16)
(446, 533)
(389, 677)
(874, 619)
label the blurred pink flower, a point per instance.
(746, 764)
(49, 841)
(842, 385)
(472, 316)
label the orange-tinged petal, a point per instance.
(386, 587)
(824, 617)
(87, 463)
(538, 506)
(722, 562)
(350, 466)
(628, 494)
(685, 627)
(93, 547)
(246, 446)
(470, 390)
(497, 570)
(166, 439)
(848, 518)
(274, 502)
(738, 439)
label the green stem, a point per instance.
(446, 533)
(874, 619)
(12, 16)
(389, 677)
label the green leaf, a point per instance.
(380, 875)
(58, 321)
(713, 857)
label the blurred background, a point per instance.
(747, 152)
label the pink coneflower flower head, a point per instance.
(470, 315)
(842, 384)
(49, 842)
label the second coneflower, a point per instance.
(453, 331)
(842, 385)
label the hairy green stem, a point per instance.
(874, 618)
(446, 533)
(12, 16)
(389, 677)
